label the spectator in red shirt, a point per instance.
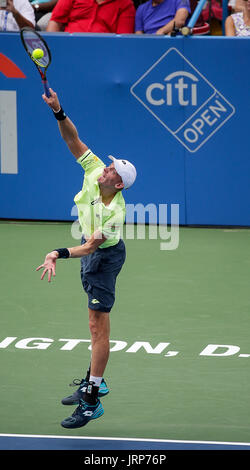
(93, 16)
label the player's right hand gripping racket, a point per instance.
(31, 40)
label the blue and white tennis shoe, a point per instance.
(83, 414)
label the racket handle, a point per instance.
(46, 88)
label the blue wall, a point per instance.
(177, 107)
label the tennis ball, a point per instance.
(37, 53)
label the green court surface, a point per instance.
(195, 299)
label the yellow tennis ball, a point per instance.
(37, 53)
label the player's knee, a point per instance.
(97, 330)
(99, 325)
(93, 328)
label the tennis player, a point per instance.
(101, 213)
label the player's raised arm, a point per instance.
(67, 128)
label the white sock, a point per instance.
(96, 380)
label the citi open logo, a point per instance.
(182, 100)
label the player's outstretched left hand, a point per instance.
(49, 265)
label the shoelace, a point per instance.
(76, 382)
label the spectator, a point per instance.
(238, 24)
(161, 16)
(236, 5)
(17, 14)
(93, 16)
(43, 10)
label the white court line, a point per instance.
(44, 436)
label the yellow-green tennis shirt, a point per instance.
(93, 215)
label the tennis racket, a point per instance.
(31, 40)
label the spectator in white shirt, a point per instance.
(16, 15)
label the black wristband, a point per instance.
(63, 252)
(60, 115)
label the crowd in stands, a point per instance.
(160, 17)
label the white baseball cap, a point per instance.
(126, 170)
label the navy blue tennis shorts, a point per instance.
(99, 271)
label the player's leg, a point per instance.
(99, 325)
(88, 264)
(90, 406)
(101, 268)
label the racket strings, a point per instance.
(32, 40)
